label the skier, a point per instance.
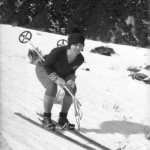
(59, 70)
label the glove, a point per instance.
(59, 81)
(53, 76)
(71, 84)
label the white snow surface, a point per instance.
(115, 107)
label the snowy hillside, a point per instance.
(115, 107)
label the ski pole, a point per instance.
(78, 112)
(25, 37)
(71, 94)
(37, 51)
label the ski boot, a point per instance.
(63, 122)
(47, 122)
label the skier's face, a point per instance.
(76, 48)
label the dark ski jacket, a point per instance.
(57, 62)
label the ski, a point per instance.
(77, 133)
(56, 132)
(57, 125)
(89, 140)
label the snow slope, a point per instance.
(115, 107)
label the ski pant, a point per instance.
(49, 85)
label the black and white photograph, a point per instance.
(74, 74)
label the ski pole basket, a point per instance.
(62, 42)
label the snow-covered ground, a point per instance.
(115, 107)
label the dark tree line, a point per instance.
(118, 21)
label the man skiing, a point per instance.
(59, 70)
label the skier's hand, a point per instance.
(60, 82)
(71, 84)
(53, 76)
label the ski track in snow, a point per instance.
(115, 107)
